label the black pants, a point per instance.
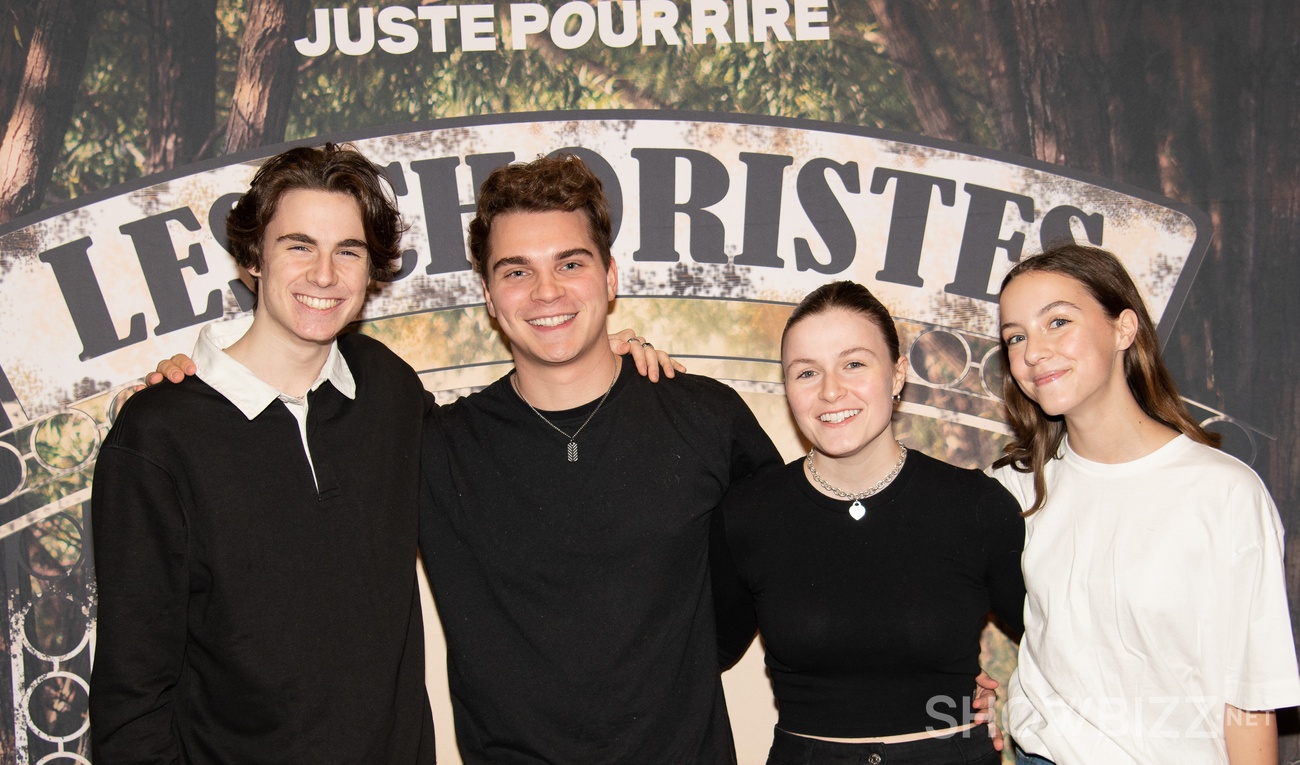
(967, 747)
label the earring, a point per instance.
(897, 397)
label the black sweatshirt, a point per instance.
(574, 595)
(245, 616)
(871, 626)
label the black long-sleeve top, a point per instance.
(574, 595)
(244, 615)
(872, 627)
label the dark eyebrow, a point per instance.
(306, 239)
(842, 354)
(859, 349)
(1045, 309)
(508, 262)
(519, 260)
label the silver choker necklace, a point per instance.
(856, 509)
(573, 446)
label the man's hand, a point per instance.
(649, 360)
(175, 369)
(986, 698)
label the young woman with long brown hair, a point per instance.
(1156, 624)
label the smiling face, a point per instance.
(839, 381)
(547, 288)
(315, 269)
(1065, 353)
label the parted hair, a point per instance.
(332, 168)
(847, 296)
(547, 184)
(1037, 437)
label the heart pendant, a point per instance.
(857, 510)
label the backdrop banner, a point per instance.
(103, 290)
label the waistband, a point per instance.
(967, 746)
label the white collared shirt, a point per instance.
(248, 392)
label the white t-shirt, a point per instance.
(1156, 595)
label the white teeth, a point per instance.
(834, 417)
(320, 304)
(551, 321)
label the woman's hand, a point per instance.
(648, 359)
(984, 704)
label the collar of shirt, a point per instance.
(248, 392)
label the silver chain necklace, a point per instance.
(573, 446)
(856, 509)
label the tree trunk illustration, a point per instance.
(182, 82)
(259, 109)
(1010, 120)
(34, 134)
(1063, 77)
(902, 29)
(16, 18)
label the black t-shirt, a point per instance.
(872, 626)
(574, 595)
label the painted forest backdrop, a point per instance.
(1191, 100)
